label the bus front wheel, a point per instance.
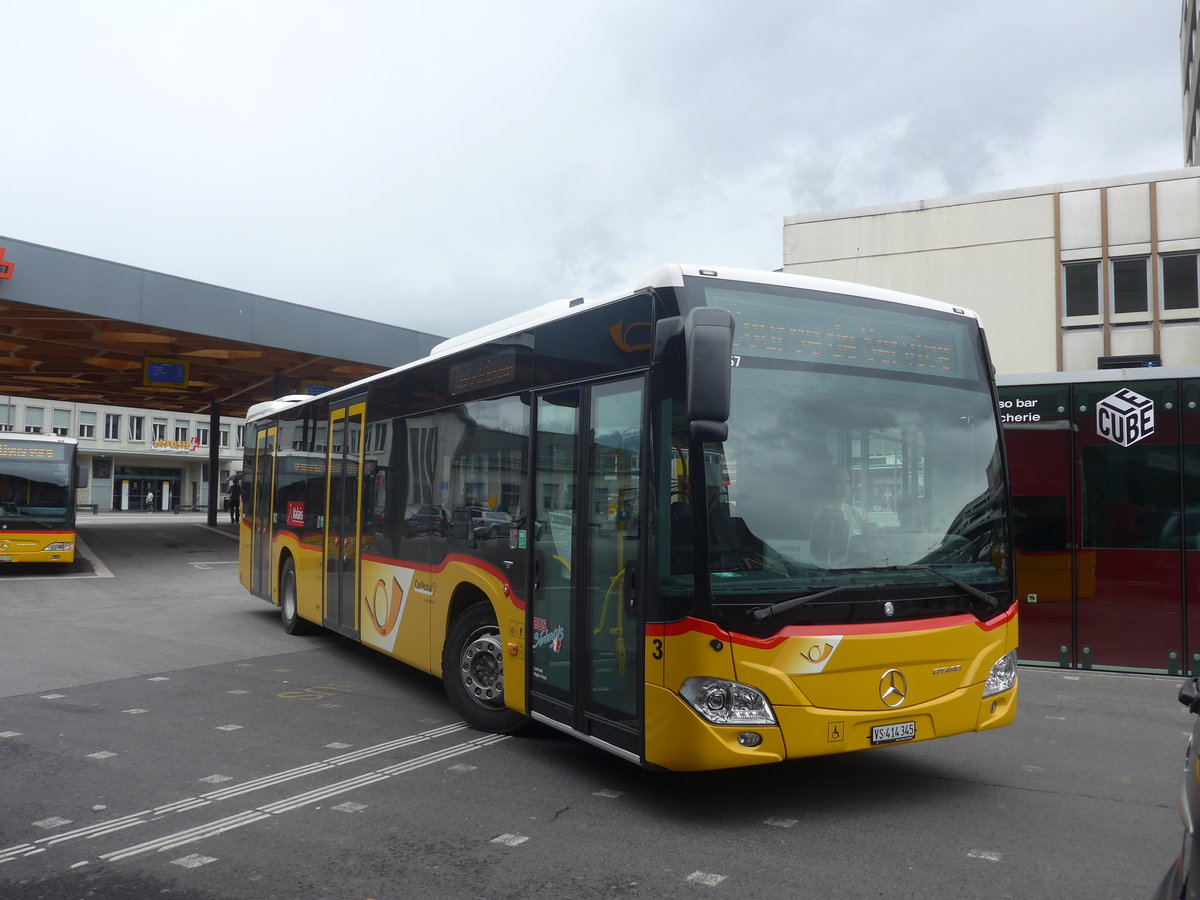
(289, 611)
(473, 672)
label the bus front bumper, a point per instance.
(677, 738)
(46, 547)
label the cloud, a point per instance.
(442, 165)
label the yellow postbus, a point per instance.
(38, 478)
(721, 519)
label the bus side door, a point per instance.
(261, 512)
(343, 516)
(585, 624)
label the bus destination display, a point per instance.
(492, 369)
(819, 331)
(22, 450)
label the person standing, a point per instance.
(235, 501)
(149, 501)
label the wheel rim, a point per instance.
(481, 667)
(288, 596)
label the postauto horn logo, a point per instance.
(1125, 417)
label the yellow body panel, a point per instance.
(825, 687)
(28, 546)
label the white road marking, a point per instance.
(52, 822)
(53, 696)
(705, 878)
(217, 779)
(350, 807)
(228, 727)
(781, 823)
(193, 861)
(159, 678)
(101, 754)
(9, 734)
(510, 840)
(607, 794)
(250, 816)
(134, 712)
(188, 803)
(989, 855)
(101, 570)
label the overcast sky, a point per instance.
(439, 165)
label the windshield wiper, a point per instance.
(969, 589)
(762, 613)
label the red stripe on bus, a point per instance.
(685, 626)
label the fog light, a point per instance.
(749, 739)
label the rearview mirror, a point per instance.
(708, 342)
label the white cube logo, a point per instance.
(1125, 417)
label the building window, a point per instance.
(202, 435)
(225, 434)
(158, 430)
(34, 419)
(1179, 281)
(241, 436)
(87, 425)
(181, 430)
(1081, 287)
(112, 427)
(7, 412)
(137, 428)
(1129, 288)
(62, 422)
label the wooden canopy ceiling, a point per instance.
(70, 356)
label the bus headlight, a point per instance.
(727, 702)
(1003, 675)
(61, 545)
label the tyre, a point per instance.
(288, 606)
(473, 672)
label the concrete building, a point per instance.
(131, 453)
(1062, 275)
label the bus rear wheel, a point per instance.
(473, 672)
(289, 610)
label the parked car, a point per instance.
(1182, 881)
(484, 523)
(425, 520)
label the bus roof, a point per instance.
(36, 438)
(664, 276)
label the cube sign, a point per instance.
(1125, 417)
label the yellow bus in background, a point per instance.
(38, 478)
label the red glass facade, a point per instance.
(1106, 505)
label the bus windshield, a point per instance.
(863, 451)
(34, 483)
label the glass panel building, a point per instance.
(1105, 470)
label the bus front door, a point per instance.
(585, 625)
(343, 517)
(260, 511)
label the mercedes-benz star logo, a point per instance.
(893, 688)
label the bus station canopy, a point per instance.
(80, 329)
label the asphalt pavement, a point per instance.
(160, 735)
